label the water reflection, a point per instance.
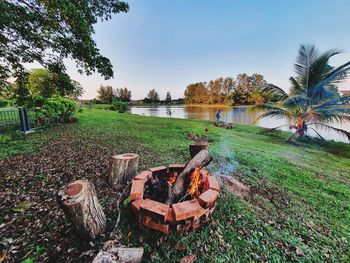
(240, 115)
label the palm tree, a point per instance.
(311, 103)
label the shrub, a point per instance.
(3, 103)
(119, 105)
(60, 108)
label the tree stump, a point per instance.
(196, 147)
(122, 168)
(80, 205)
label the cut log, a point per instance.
(196, 147)
(178, 188)
(113, 253)
(122, 168)
(80, 205)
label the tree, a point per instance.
(105, 94)
(49, 31)
(168, 98)
(196, 93)
(123, 94)
(42, 82)
(311, 103)
(227, 90)
(153, 96)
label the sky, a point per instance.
(167, 45)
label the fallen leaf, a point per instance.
(299, 252)
(180, 246)
(188, 259)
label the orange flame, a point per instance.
(197, 182)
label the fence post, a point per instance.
(23, 117)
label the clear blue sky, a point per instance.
(167, 45)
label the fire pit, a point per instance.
(149, 193)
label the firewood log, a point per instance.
(197, 147)
(122, 168)
(178, 188)
(113, 253)
(80, 205)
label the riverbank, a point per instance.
(298, 210)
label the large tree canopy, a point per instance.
(49, 31)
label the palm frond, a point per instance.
(296, 88)
(319, 135)
(336, 75)
(344, 100)
(331, 128)
(299, 101)
(274, 113)
(307, 54)
(320, 67)
(338, 113)
(274, 91)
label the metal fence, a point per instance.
(9, 120)
(23, 120)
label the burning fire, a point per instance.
(171, 179)
(197, 184)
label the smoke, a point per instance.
(224, 162)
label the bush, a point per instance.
(3, 103)
(59, 107)
(119, 105)
(35, 102)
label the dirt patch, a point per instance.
(31, 222)
(234, 186)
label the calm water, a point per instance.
(240, 115)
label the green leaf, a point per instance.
(126, 202)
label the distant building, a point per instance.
(345, 92)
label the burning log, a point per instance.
(122, 168)
(80, 205)
(179, 187)
(197, 147)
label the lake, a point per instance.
(239, 115)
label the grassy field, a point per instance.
(299, 209)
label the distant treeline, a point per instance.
(106, 95)
(242, 90)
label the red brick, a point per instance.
(137, 188)
(154, 209)
(159, 170)
(187, 209)
(213, 183)
(164, 228)
(170, 218)
(208, 198)
(135, 206)
(145, 176)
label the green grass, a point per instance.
(300, 209)
(98, 106)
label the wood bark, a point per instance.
(113, 253)
(80, 205)
(122, 168)
(196, 147)
(178, 188)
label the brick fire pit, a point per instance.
(182, 216)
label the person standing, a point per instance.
(218, 117)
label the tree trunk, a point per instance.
(123, 168)
(112, 253)
(197, 147)
(80, 205)
(178, 188)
